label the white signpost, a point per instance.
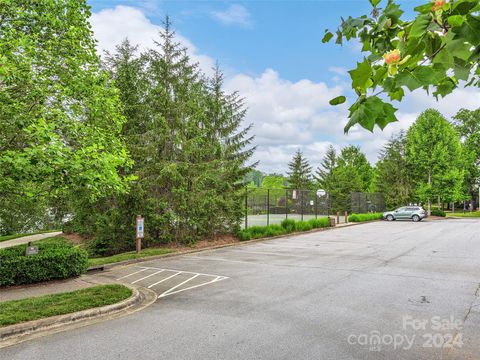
(140, 233)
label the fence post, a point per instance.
(338, 217)
(301, 202)
(246, 207)
(316, 205)
(268, 207)
(286, 203)
(346, 217)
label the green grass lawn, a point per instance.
(16, 236)
(465, 214)
(129, 256)
(17, 311)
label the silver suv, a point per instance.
(415, 213)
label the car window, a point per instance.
(400, 209)
(411, 209)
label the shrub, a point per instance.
(319, 223)
(54, 261)
(365, 217)
(288, 225)
(438, 212)
(303, 226)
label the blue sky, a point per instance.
(272, 54)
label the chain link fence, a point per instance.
(271, 206)
(367, 202)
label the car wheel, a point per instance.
(389, 217)
(416, 218)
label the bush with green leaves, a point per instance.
(365, 217)
(286, 226)
(438, 212)
(55, 260)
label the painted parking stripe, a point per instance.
(136, 272)
(169, 292)
(146, 277)
(167, 278)
(165, 293)
(181, 271)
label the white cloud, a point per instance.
(286, 115)
(234, 15)
(338, 70)
(112, 25)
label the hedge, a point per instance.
(286, 226)
(365, 217)
(54, 261)
(438, 212)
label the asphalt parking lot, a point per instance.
(383, 290)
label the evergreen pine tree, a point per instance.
(191, 152)
(324, 172)
(300, 174)
(392, 178)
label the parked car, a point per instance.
(415, 213)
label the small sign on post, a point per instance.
(31, 250)
(140, 232)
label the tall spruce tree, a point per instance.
(392, 177)
(324, 171)
(300, 174)
(186, 137)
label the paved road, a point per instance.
(315, 296)
(26, 239)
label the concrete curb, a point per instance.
(13, 334)
(240, 243)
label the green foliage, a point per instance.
(438, 212)
(55, 260)
(474, 214)
(130, 255)
(255, 177)
(274, 181)
(59, 113)
(392, 175)
(303, 226)
(17, 311)
(434, 158)
(364, 217)
(341, 175)
(190, 150)
(287, 226)
(467, 124)
(300, 174)
(436, 50)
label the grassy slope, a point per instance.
(466, 214)
(17, 311)
(16, 236)
(128, 256)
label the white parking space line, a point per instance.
(165, 293)
(146, 277)
(218, 278)
(176, 285)
(180, 271)
(167, 278)
(136, 272)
